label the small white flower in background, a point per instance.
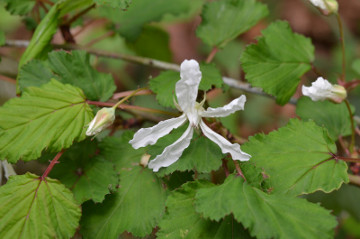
(328, 6)
(103, 118)
(186, 92)
(322, 89)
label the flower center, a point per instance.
(194, 114)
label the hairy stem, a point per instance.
(51, 165)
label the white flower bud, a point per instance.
(103, 118)
(327, 6)
(322, 89)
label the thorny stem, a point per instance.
(342, 41)
(211, 55)
(351, 146)
(238, 169)
(51, 165)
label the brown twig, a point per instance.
(8, 79)
(98, 39)
(79, 14)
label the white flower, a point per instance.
(186, 92)
(328, 6)
(103, 118)
(322, 89)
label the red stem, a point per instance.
(211, 55)
(346, 159)
(51, 165)
(226, 169)
(238, 169)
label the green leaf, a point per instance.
(42, 35)
(278, 60)
(266, 216)
(87, 175)
(122, 4)
(132, 20)
(53, 117)
(31, 208)
(153, 42)
(296, 157)
(164, 87)
(344, 199)
(211, 76)
(164, 84)
(35, 73)
(222, 21)
(41, 38)
(334, 117)
(182, 221)
(73, 68)
(2, 38)
(138, 204)
(19, 7)
(202, 155)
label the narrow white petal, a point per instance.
(187, 88)
(172, 152)
(149, 136)
(226, 146)
(233, 106)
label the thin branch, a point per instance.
(236, 84)
(79, 14)
(352, 144)
(100, 38)
(8, 79)
(342, 41)
(211, 55)
(354, 179)
(131, 107)
(126, 93)
(238, 169)
(51, 165)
